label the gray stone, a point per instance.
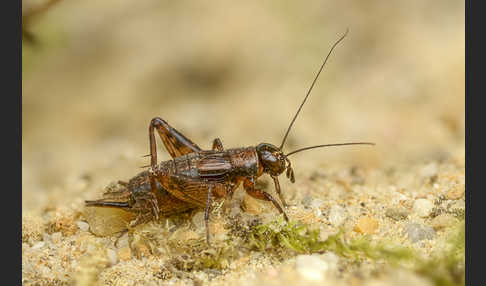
(307, 200)
(417, 232)
(397, 213)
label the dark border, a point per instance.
(469, 185)
(11, 118)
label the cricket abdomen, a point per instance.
(167, 203)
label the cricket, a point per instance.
(195, 177)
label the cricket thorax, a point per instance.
(244, 162)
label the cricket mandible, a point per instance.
(195, 177)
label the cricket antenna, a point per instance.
(310, 89)
(329, 145)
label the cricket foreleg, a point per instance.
(277, 189)
(217, 145)
(206, 214)
(249, 186)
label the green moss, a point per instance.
(197, 255)
(446, 268)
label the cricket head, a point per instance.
(274, 161)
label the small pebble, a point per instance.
(311, 267)
(38, 245)
(442, 221)
(142, 250)
(429, 170)
(198, 220)
(252, 205)
(397, 213)
(112, 257)
(84, 226)
(417, 232)
(56, 237)
(458, 205)
(423, 207)
(107, 221)
(366, 225)
(337, 215)
(236, 210)
(458, 208)
(32, 227)
(456, 192)
(125, 253)
(122, 241)
(397, 198)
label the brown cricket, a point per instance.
(194, 177)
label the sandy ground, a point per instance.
(100, 71)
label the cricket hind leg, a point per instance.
(175, 142)
(249, 186)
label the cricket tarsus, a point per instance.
(194, 177)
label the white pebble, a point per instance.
(311, 267)
(331, 259)
(397, 198)
(38, 245)
(337, 215)
(423, 207)
(316, 203)
(84, 226)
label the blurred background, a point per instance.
(96, 72)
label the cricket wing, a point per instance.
(214, 166)
(192, 190)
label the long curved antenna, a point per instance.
(328, 145)
(310, 89)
